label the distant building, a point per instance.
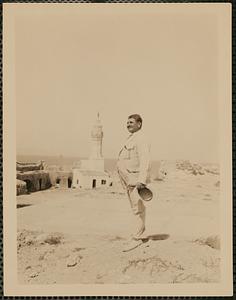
(91, 172)
(31, 177)
(62, 179)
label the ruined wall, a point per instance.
(21, 188)
(32, 177)
(35, 180)
(26, 167)
(63, 178)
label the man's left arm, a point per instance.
(143, 149)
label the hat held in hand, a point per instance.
(145, 193)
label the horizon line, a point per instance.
(115, 158)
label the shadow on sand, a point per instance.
(158, 237)
(22, 205)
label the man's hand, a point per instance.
(140, 185)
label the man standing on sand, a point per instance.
(133, 168)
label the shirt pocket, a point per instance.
(130, 150)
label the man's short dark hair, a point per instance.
(136, 117)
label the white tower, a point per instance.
(96, 160)
(96, 140)
(91, 172)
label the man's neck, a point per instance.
(136, 131)
(133, 133)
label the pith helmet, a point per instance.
(145, 193)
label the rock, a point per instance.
(217, 184)
(73, 260)
(213, 170)
(29, 241)
(192, 168)
(34, 274)
(41, 238)
(71, 263)
(212, 241)
(51, 239)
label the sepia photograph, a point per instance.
(117, 141)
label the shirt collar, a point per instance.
(134, 133)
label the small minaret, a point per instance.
(96, 140)
(91, 172)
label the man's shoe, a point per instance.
(143, 238)
(132, 244)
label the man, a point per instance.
(133, 168)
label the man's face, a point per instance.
(133, 125)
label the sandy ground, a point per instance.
(73, 236)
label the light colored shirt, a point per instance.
(135, 156)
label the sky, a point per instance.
(72, 63)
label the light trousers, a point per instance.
(137, 206)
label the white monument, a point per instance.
(95, 161)
(91, 173)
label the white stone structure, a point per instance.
(91, 173)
